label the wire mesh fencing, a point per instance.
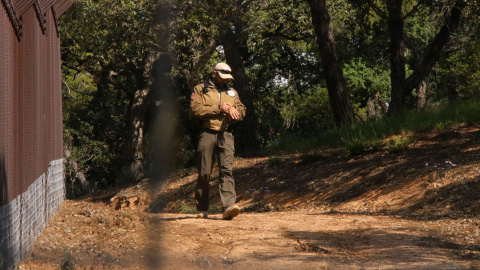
(24, 218)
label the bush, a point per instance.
(310, 157)
(68, 262)
(398, 145)
(275, 161)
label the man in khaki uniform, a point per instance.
(218, 106)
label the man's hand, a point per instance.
(230, 110)
(225, 107)
(233, 113)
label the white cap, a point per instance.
(223, 70)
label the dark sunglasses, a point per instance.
(224, 71)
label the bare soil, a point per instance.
(417, 209)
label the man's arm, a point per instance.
(199, 109)
(238, 110)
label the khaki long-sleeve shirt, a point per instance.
(205, 103)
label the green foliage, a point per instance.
(106, 34)
(364, 77)
(365, 80)
(184, 155)
(275, 161)
(91, 153)
(360, 31)
(68, 262)
(308, 158)
(73, 189)
(444, 153)
(186, 208)
(398, 145)
(354, 148)
(282, 64)
(106, 47)
(359, 138)
(84, 150)
(214, 209)
(124, 176)
(105, 50)
(309, 112)
(189, 207)
(461, 72)
(193, 28)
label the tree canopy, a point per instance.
(301, 67)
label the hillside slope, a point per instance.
(417, 209)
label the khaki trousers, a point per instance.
(215, 145)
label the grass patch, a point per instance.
(189, 207)
(68, 262)
(275, 161)
(186, 208)
(398, 145)
(310, 157)
(360, 137)
(354, 148)
(444, 153)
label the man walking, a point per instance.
(218, 106)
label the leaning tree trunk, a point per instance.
(246, 129)
(193, 77)
(336, 86)
(421, 101)
(430, 57)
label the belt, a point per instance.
(229, 130)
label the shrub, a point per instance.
(68, 262)
(310, 157)
(398, 145)
(275, 161)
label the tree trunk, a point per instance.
(193, 76)
(74, 166)
(381, 103)
(421, 96)
(157, 64)
(133, 152)
(247, 129)
(452, 92)
(397, 54)
(430, 57)
(336, 86)
(371, 112)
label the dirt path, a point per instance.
(275, 240)
(299, 240)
